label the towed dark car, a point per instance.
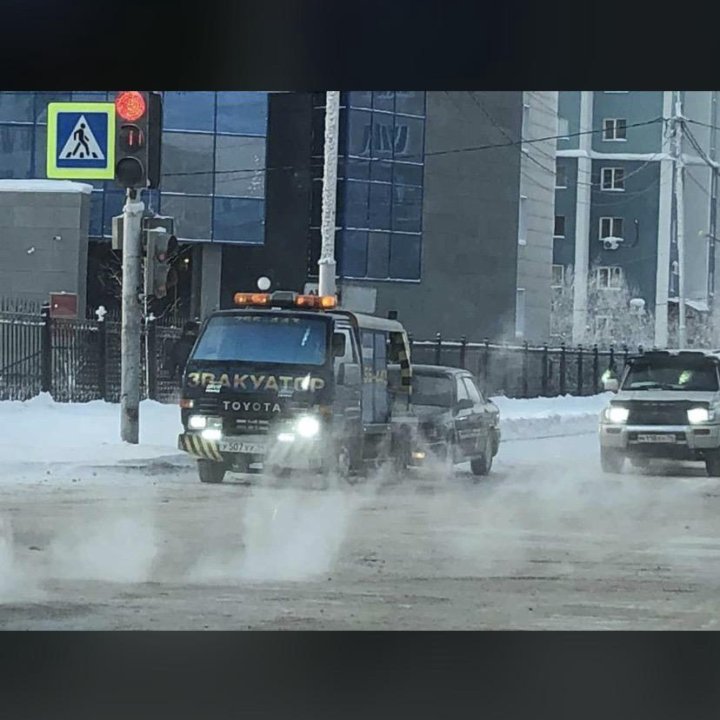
(456, 423)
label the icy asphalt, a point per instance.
(546, 542)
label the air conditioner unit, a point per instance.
(611, 243)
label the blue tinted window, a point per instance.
(189, 110)
(16, 107)
(409, 140)
(407, 208)
(383, 136)
(358, 133)
(354, 206)
(187, 163)
(379, 207)
(239, 220)
(406, 174)
(410, 101)
(193, 215)
(358, 99)
(16, 157)
(91, 96)
(353, 253)
(264, 339)
(242, 112)
(405, 257)
(378, 255)
(384, 100)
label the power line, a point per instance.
(476, 148)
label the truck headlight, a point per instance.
(197, 422)
(617, 414)
(211, 434)
(699, 415)
(308, 426)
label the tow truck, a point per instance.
(290, 381)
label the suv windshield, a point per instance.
(432, 390)
(264, 339)
(672, 374)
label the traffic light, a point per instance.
(160, 243)
(138, 139)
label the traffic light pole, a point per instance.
(131, 313)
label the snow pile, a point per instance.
(44, 186)
(42, 430)
(550, 417)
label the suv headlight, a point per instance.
(617, 414)
(698, 415)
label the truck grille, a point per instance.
(659, 413)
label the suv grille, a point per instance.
(659, 413)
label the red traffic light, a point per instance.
(130, 105)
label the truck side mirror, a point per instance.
(611, 385)
(338, 345)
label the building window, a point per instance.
(612, 178)
(380, 184)
(522, 221)
(615, 129)
(558, 276)
(609, 278)
(563, 128)
(559, 226)
(611, 227)
(560, 176)
(520, 312)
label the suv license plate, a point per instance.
(237, 446)
(655, 438)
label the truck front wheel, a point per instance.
(211, 472)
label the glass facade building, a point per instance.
(214, 159)
(380, 183)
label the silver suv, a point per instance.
(667, 406)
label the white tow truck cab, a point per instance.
(667, 406)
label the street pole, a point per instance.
(582, 220)
(680, 218)
(130, 332)
(326, 264)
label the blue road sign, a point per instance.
(81, 141)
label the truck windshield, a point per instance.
(672, 374)
(264, 339)
(432, 390)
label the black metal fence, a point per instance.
(522, 371)
(77, 360)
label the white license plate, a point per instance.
(655, 438)
(238, 446)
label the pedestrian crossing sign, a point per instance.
(81, 141)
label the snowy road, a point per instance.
(546, 542)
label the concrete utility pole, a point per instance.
(130, 332)
(678, 121)
(326, 264)
(582, 220)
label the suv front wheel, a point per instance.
(712, 463)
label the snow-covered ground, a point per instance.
(41, 430)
